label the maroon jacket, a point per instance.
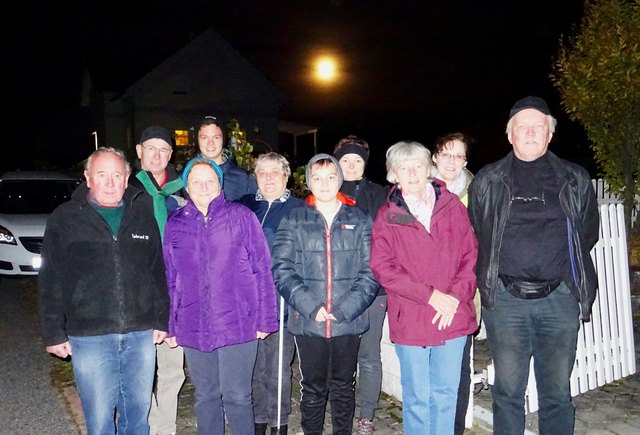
(409, 262)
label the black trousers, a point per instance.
(463, 389)
(328, 370)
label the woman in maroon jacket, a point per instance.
(424, 253)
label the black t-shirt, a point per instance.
(535, 243)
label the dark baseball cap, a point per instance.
(156, 132)
(530, 102)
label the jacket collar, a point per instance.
(502, 169)
(311, 199)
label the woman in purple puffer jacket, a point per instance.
(222, 296)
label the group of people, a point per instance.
(232, 273)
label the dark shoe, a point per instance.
(261, 428)
(282, 430)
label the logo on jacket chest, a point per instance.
(140, 236)
(348, 226)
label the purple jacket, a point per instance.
(219, 276)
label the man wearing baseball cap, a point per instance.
(536, 219)
(159, 179)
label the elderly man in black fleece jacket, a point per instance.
(103, 294)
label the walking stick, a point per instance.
(280, 356)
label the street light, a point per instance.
(95, 135)
(326, 69)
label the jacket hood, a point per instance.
(321, 156)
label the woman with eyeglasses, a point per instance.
(450, 165)
(423, 252)
(272, 372)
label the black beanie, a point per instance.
(352, 148)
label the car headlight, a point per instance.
(36, 262)
(6, 237)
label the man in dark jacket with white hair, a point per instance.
(536, 219)
(103, 294)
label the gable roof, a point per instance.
(207, 72)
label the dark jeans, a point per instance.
(464, 388)
(328, 368)
(369, 362)
(547, 330)
(265, 379)
(222, 381)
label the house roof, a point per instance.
(207, 73)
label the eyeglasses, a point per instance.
(456, 157)
(152, 149)
(528, 199)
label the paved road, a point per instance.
(29, 404)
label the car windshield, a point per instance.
(34, 196)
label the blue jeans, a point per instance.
(547, 330)
(115, 372)
(430, 376)
(369, 362)
(222, 381)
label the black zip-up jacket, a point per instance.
(369, 196)
(489, 208)
(315, 266)
(92, 283)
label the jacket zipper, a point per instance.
(329, 280)
(266, 213)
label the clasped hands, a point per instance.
(323, 315)
(446, 307)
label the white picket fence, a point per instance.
(605, 350)
(605, 197)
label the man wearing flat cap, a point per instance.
(536, 219)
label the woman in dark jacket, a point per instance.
(271, 203)
(352, 153)
(321, 268)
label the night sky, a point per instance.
(410, 69)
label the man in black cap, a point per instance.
(536, 219)
(158, 177)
